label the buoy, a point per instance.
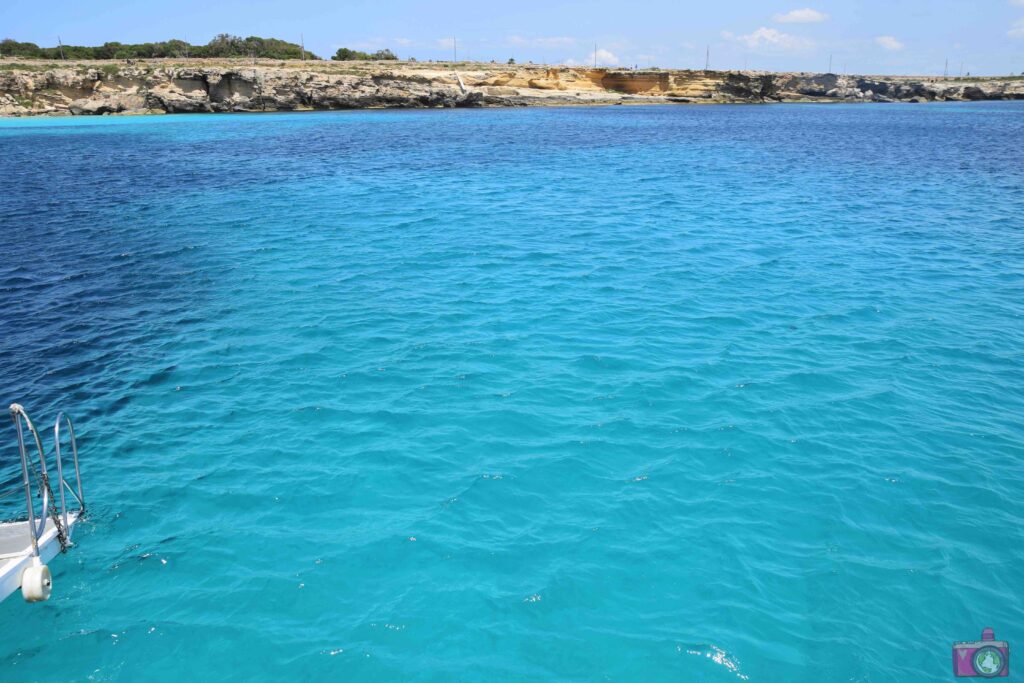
(36, 583)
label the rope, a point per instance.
(43, 481)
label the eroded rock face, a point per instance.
(817, 87)
(175, 90)
(114, 88)
(113, 103)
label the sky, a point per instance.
(858, 36)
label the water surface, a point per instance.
(629, 393)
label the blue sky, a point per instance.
(865, 36)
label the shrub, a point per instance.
(345, 54)
(223, 45)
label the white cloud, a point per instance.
(542, 42)
(604, 58)
(1018, 3)
(403, 41)
(803, 16)
(770, 38)
(889, 43)
(445, 42)
(1017, 29)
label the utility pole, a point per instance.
(302, 43)
(595, 55)
(186, 47)
(830, 63)
(945, 69)
(61, 46)
(961, 69)
(707, 59)
(455, 49)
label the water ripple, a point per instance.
(669, 393)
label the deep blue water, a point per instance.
(673, 393)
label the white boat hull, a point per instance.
(16, 551)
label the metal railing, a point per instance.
(60, 519)
(77, 491)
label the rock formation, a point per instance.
(156, 86)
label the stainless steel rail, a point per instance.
(37, 528)
(77, 491)
(19, 415)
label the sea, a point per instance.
(630, 393)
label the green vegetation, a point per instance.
(15, 66)
(346, 55)
(224, 45)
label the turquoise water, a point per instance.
(672, 393)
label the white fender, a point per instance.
(36, 583)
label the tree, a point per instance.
(345, 54)
(173, 48)
(223, 45)
(13, 48)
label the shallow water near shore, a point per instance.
(664, 393)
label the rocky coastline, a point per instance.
(30, 88)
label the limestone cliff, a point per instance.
(36, 88)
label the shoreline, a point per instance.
(397, 109)
(84, 88)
